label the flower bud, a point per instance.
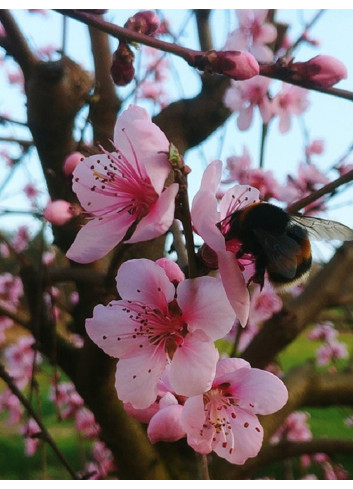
(59, 212)
(71, 162)
(144, 22)
(172, 270)
(324, 71)
(122, 69)
(238, 65)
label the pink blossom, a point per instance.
(11, 290)
(310, 40)
(349, 421)
(103, 461)
(238, 167)
(323, 331)
(265, 182)
(155, 63)
(290, 101)
(47, 51)
(71, 161)
(308, 179)
(4, 250)
(166, 423)
(331, 351)
(59, 212)
(124, 188)
(224, 419)
(150, 89)
(19, 357)
(31, 191)
(205, 217)
(31, 430)
(9, 402)
(344, 168)
(15, 77)
(157, 71)
(157, 323)
(165, 420)
(85, 423)
(253, 34)
(239, 170)
(21, 238)
(316, 147)
(48, 257)
(244, 96)
(295, 428)
(5, 155)
(264, 303)
(66, 398)
(172, 270)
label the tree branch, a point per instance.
(104, 105)
(326, 189)
(203, 28)
(16, 44)
(189, 55)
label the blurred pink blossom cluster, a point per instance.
(11, 291)
(296, 428)
(253, 34)
(263, 304)
(20, 359)
(309, 178)
(331, 349)
(321, 463)
(243, 97)
(153, 85)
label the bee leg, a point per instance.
(259, 275)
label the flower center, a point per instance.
(163, 330)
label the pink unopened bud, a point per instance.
(172, 270)
(324, 71)
(59, 212)
(239, 65)
(145, 22)
(71, 162)
(122, 69)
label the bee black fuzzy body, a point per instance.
(277, 243)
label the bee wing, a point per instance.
(323, 228)
(281, 252)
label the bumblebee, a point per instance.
(279, 242)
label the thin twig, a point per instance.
(326, 189)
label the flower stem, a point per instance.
(204, 473)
